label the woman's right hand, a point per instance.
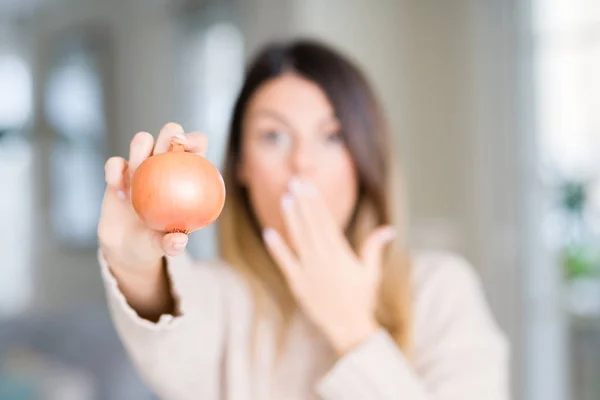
(129, 246)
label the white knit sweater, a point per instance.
(459, 352)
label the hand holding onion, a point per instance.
(172, 193)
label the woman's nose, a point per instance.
(303, 160)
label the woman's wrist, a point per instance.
(349, 336)
(140, 273)
(147, 290)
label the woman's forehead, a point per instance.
(291, 100)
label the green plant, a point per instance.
(574, 196)
(580, 252)
(581, 260)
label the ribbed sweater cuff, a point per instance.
(119, 303)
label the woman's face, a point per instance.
(290, 130)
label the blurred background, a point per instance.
(495, 105)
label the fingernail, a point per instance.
(299, 186)
(121, 194)
(286, 201)
(295, 185)
(180, 137)
(269, 235)
(388, 234)
(179, 245)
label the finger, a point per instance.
(371, 252)
(166, 135)
(321, 225)
(115, 171)
(293, 223)
(312, 224)
(141, 240)
(174, 243)
(139, 150)
(282, 255)
(196, 142)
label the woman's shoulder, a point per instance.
(442, 270)
(447, 288)
(448, 295)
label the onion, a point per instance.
(177, 191)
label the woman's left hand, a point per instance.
(335, 288)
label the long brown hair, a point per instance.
(367, 139)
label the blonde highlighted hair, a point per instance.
(366, 136)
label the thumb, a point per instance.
(372, 249)
(174, 243)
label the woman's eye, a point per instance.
(274, 136)
(335, 137)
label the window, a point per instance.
(74, 110)
(567, 45)
(16, 169)
(16, 94)
(215, 73)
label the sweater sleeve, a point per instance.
(458, 353)
(179, 356)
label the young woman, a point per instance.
(314, 296)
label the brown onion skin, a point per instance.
(177, 191)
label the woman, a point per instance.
(315, 297)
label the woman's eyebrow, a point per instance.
(329, 120)
(272, 114)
